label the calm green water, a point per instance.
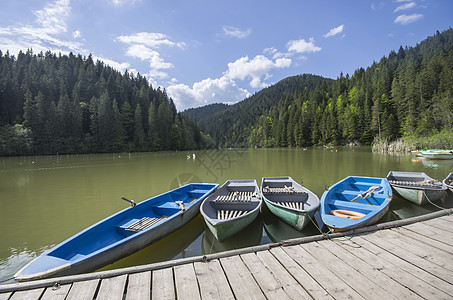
(46, 199)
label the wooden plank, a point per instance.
(272, 288)
(5, 296)
(186, 282)
(380, 239)
(163, 284)
(440, 224)
(350, 254)
(425, 240)
(83, 289)
(431, 232)
(361, 284)
(424, 284)
(424, 250)
(213, 282)
(139, 286)
(298, 273)
(290, 285)
(241, 281)
(56, 292)
(112, 288)
(448, 218)
(334, 285)
(27, 295)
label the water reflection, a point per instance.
(249, 236)
(54, 197)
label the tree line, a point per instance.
(53, 104)
(407, 93)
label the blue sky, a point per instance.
(212, 51)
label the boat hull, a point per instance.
(448, 182)
(234, 196)
(297, 218)
(108, 240)
(224, 230)
(419, 196)
(416, 187)
(352, 195)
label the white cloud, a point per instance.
(52, 17)
(219, 90)
(301, 46)
(45, 34)
(114, 64)
(124, 2)
(144, 45)
(76, 34)
(255, 68)
(150, 39)
(405, 6)
(334, 31)
(405, 19)
(232, 31)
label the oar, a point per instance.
(370, 191)
(132, 202)
(181, 205)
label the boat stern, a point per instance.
(43, 266)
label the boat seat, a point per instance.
(292, 204)
(223, 214)
(137, 225)
(339, 204)
(236, 197)
(431, 183)
(283, 190)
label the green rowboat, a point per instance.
(416, 187)
(231, 208)
(288, 200)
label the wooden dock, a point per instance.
(410, 258)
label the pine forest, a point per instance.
(58, 104)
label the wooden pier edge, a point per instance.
(172, 263)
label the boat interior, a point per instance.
(130, 221)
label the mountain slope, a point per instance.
(232, 126)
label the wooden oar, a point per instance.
(369, 191)
(181, 205)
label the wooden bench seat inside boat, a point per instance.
(292, 204)
(283, 190)
(236, 197)
(223, 214)
(137, 225)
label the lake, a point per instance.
(46, 199)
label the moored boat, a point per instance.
(288, 200)
(438, 154)
(231, 208)
(120, 234)
(416, 187)
(448, 181)
(355, 202)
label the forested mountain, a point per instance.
(70, 104)
(205, 111)
(233, 126)
(408, 92)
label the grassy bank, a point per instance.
(441, 140)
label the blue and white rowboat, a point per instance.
(119, 235)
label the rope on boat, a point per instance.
(440, 207)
